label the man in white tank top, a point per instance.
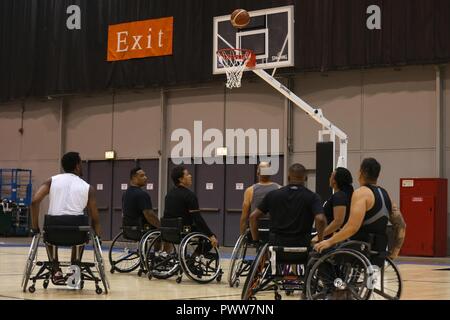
(254, 194)
(69, 196)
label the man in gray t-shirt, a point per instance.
(254, 194)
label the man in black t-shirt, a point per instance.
(293, 210)
(182, 202)
(136, 203)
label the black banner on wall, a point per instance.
(45, 49)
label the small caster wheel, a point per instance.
(31, 289)
(277, 296)
(252, 298)
(178, 280)
(236, 283)
(45, 284)
(140, 273)
(98, 290)
(112, 270)
(219, 278)
(149, 276)
(81, 285)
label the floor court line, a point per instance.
(221, 296)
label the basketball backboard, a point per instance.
(270, 34)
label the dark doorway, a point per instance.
(100, 178)
(238, 178)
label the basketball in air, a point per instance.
(240, 18)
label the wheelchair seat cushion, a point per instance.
(292, 257)
(286, 241)
(133, 233)
(62, 230)
(172, 230)
(378, 246)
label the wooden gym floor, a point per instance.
(423, 279)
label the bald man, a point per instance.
(293, 210)
(254, 194)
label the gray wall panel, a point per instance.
(137, 124)
(88, 124)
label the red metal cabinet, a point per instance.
(423, 203)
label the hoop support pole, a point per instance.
(316, 114)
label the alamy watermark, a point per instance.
(242, 146)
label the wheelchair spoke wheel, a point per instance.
(199, 259)
(30, 261)
(124, 254)
(339, 275)
(161, 264)
(238, 264)
(255, 278)
(389, 283)
(144, 244)
(99, 262)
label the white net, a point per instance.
(234, 62)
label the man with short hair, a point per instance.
(69, 196)
(254, 194)
(182, 202)
(369, 213)
(137, 204)
(293, 210)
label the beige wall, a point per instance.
(10, 123)
(256, 105)
(186, 106)
(41, 137)
(88, 126)
(137, 122)
(338, 94)
(128, 123)
(38, 147)
(387, 114)
(399, 109)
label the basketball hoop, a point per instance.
(234, 62)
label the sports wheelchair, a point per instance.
(128, 249)
(66, 235)
(345, 272)
(175, 249)
(241, 261)
(353, 271)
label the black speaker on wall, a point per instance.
(324, 168)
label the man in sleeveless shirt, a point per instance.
(254, 194)
(69, 196)
(369, 212)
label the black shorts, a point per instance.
(378, 243)
(65, 237)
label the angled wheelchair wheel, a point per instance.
(340, 275)
(29, 266)
(159, 263)
(124, 254)
(258, 271)
(239, 265)
(145, 242)
(389, 283)
(99, 263)
(199, 259)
